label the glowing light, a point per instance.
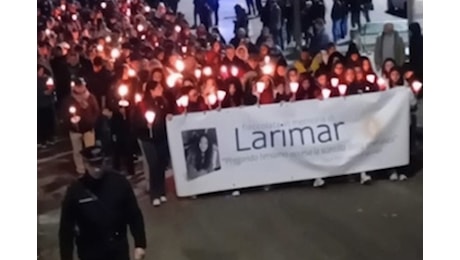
(294, 86)
(180, 66)
(150, 116)
(342, 89)
(234, 71)
(326, 93)
(182, 101)
(115, 53)
(123, 90)
(72, 110)
(197, 73)
(221, 95)
(260, 87)
(417, 86)
(212, 99)
(207, 71)
(334, 82)
(370, 78)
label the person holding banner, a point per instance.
(149, 122)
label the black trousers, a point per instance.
(46, 124)
(251, 6)
(157, 157)
(356, 19)
(259, 6)
(123, 153)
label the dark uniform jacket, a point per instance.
(95, 214)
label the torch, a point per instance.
(150, 117)
(123, 91)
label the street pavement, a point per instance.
(294, 221)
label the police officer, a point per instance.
(95, 212)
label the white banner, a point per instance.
(251, 146)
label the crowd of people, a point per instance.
(112, 72)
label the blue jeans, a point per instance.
(340, 28)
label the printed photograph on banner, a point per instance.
(201, 152)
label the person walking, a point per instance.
(95, 213)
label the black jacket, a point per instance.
(95, 213)
(99, 84)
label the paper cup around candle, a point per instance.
(234, 71)
(74, 17)
(150, 116)
(267, 69)
(182, 101)
(326, 93)
(180, 66)
(108, 39)
(50, 82)
(294, 86)
(381, 83)
(221, 95)
(334, 82)
(72, 110)
(147, 9)
(260, 86)
(212, 99)
(184, 49)
(99, 48)
(123, 90)
(207, 71)
(177, 28)
(123, 103)
(115, 53)
(223, 70)
(370, 78)
(342, 89)
(137, 98)
(131, 72)
(417, 86)
(197, 73)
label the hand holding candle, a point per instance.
(150, 117)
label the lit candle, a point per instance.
(128, 12)
(72, 84)
(334, 82)
(108, 39)
(115, 53)
(260, 87)
(150, 117)
(184, 49)
(370, 78)
(294, 86)
(48, 32)
(123, 91)
(234, 71)
(140, 27)
(342, 89)
(180, 66)
(221, 95)
(131, 72)
(212, 99)
(267, 59)
(207, 71)
(137, 98)
(177, 28)
(267, 69)
(326, 93)
(74, 17)
(182, 101)
(103, 5)
(99, 48)
(223, 70)
(50, 82)
(172, 79)
(72, 110)
(63, 7)
(147, 9)
(417, 86)
(381, 83)
(198, 73)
